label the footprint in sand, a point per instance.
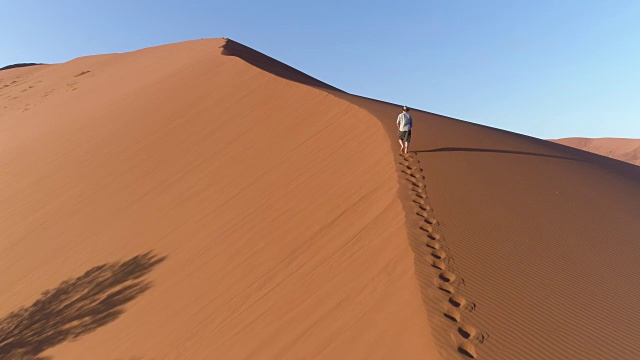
(430, 220)
(467, 331)
(457, 301)
(439, 254)
(429, 224)
(415, 182)
(426, 227)
(433, 244)
(419, 200)
(418, 190)
(438, 264)
(447, 276)
(418, 184)
(435, 236)
(422, 213)
(421, 195)
(453, 314)
(466, 348)
(446, 287)
(481, 337)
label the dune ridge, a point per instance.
(321, 242)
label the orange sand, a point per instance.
(622, 149)
(283, 232)
(289, 226)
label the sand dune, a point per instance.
(622, 149)
(283, 234)
(205, 201)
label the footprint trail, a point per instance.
(433, 254)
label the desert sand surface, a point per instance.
(275, 232)
(617, 148)
(201, 200)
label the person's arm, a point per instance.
(398, 121)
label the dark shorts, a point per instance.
(405, 135)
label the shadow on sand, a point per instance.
(75, 307)
(14, 66)
(458, 149)
(271, 65)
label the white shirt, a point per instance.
(404, 121)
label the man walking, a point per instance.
(404, 123)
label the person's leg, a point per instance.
(407, 140)
(401, 145)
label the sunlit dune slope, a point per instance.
(270, 209)
(622, 149)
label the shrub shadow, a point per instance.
(75, 307)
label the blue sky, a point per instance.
(543, 68)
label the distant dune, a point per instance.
(201, 200)
(622, 149)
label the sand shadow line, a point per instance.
(497, 151)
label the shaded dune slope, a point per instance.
(281, 232)
(20, 65)
(538, 244)
(270, 65)
(622, 149)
